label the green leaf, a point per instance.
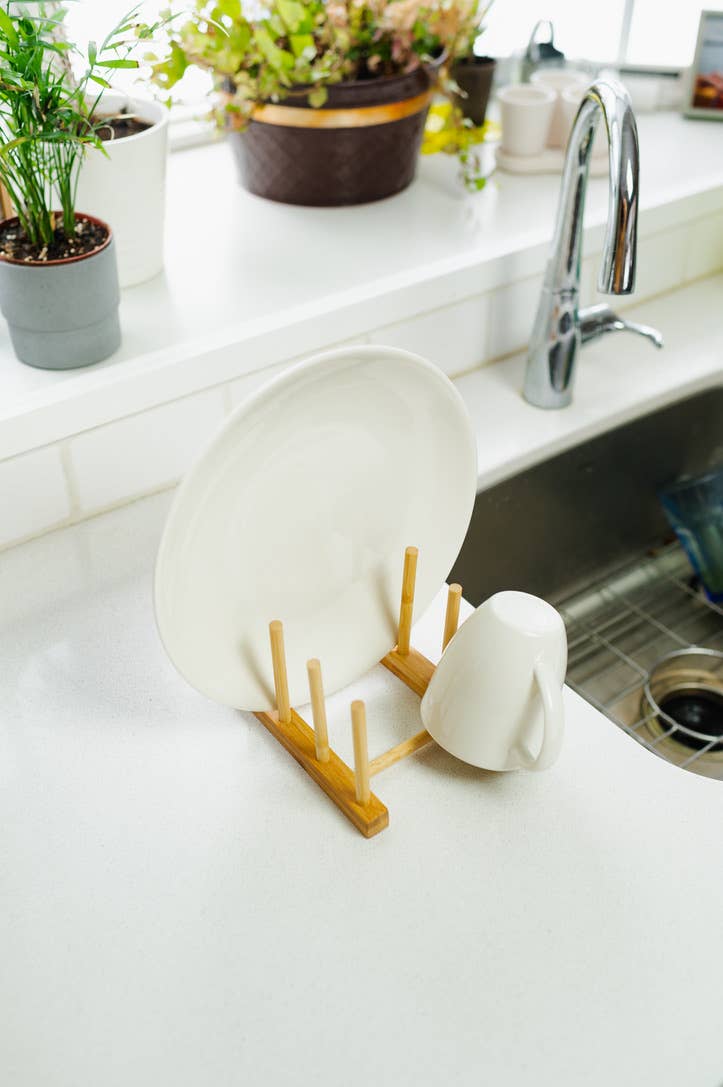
(7, 27)
(170, 70)
(279, 59)
(292, 13)
(5, 148)
(230, 8)
(92, 53)
(99, 80)
(300, 43)
(276, 25)
(318, 97)
(118, 63)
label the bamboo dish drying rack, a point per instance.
(349, 787)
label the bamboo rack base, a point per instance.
(347, 787)
(412, 668)
(333, 776)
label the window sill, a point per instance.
(250, 284)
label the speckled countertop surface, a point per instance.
(181, 906)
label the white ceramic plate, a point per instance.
(301, 509)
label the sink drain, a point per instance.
(698, 714)
(683, 699)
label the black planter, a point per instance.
(361, 145)
(474, 76)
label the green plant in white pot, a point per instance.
(124, 182)
(58, 276)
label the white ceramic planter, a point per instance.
(127, 188)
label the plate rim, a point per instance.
(320, 360)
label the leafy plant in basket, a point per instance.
(58, 280)
(327, 101)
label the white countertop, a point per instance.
(249, 283)
(182, 906)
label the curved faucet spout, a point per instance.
(556, 338)
(608, 102)
(617, 271)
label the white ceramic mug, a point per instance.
(559, 80)
(495, 699)
(526, 113)
(571, 99)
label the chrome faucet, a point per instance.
(560, 326)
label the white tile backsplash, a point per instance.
(33, 494)
(661, 263)
(454, 337)
(511, 313)
(143, 452)
(243, 387)
(660, 267)
(704, 248)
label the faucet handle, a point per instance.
(595, 321)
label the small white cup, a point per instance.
(495, 699)
(571, 99)
(526, 115)
(559, 80)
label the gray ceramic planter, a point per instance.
(63, 314)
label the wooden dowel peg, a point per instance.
(281, 683)
(400, 751)
(451, 619)
(318, 710)
(361, 752)
(406, 609)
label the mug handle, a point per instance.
(554, 717)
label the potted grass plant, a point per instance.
(325, 102)
(58, 276)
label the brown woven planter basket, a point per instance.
(362, 145)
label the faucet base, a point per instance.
(562, 401)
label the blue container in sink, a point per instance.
(694, 508)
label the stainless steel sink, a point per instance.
(585, 531)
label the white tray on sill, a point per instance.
(550, 161)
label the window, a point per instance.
(87, 21)
(582, 29)
(664, 36)
(635, 32)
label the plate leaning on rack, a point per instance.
(300, 510)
